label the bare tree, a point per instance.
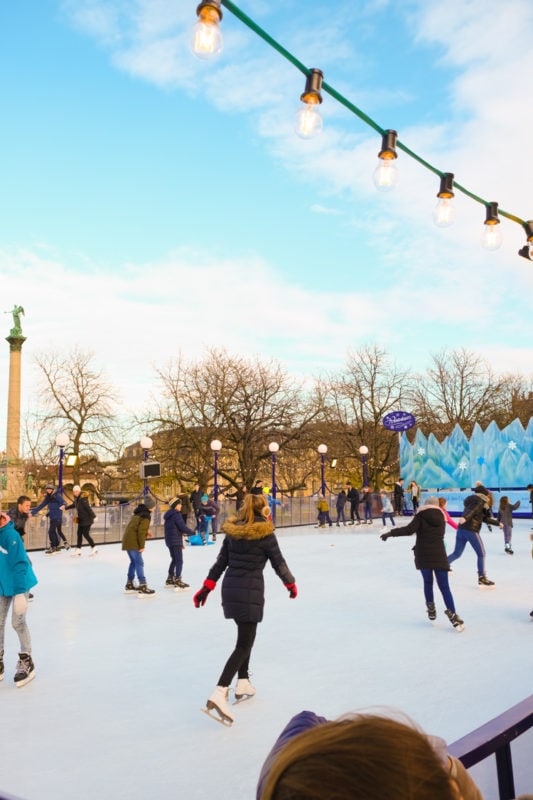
(78, 399)
(244, 403)
(460, 388)
(357, 401)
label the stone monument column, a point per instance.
(13, 476)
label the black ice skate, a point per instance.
(130, 588)
(456, 621)
(144, 591)
(25, 670)
(181, 586)
(509, 550)
(432, 611)
(484, 581)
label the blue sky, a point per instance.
(155, 203)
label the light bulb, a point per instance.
(385, 175)
(308, 122)
(206, 35)
(444, 213)
(492, 237)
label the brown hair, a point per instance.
(253, 505)
(442, 502)
(504, 502)
(359, 758)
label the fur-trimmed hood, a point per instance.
(259, 528)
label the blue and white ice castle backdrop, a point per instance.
(498, 458)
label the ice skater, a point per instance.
(16, 580)
(175, 530)
(133, 542)
(323, 513)
(386, 510)
(56, 505)
(475, 513)
(249, 543)
(429, 526)
(505, 518)
(340, 504)
(84, 518)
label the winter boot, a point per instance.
(1, 666)
(432, 611)
(218, 704)
(456, 621)
(130, 588)
(25, 670)
(244, 689)
(484, 581)
(144, 591)
(180, 586)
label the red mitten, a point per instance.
(200, 597)
(292, 589)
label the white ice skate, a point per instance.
(77, 552)
(217, 706)
(94, 552)
(243, 691)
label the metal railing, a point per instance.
(494, 738)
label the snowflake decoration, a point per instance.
(462, 465)
(421, 451)
(512, 445)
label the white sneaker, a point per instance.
(76, 552)
(94, 552)
(218, 702)
(244, 687)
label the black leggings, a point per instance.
(83, 533)
(240, 658)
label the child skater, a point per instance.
(386, 510)
(449, 520)
(249, 543)
(429, 525)
(505, 518)
(175, 529)
(16, 580)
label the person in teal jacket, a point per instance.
(16, 580)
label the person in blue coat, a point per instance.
(248, 545)
(56, 505)
(175, 530)
(16, 580)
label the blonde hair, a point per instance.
(253, 505)
(362, 757)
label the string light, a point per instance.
(386, 173)
(444, 212)
(308, 122)
(527, 250)
(208, 43)
(206, 34)
(492, 235)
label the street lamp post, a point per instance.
(62, 441)
(273, 447)
(322, 449)
(216, 447)
(146, 444)
(364, 456)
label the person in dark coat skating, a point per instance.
(85, 517)
(429, 525)
(175, 530)
(249, 543)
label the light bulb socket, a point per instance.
(525, 252)
(388, 146)
(528, 227)
(313, 85)
(446, 185)
(491, 214)
(207, 9)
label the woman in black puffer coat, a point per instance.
(248, 545)
(429, 525)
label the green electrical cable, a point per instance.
(351, 107)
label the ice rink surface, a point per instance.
(114, 710)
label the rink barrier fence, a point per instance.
(494, 738)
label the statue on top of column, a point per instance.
(16, 311)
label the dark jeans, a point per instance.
(83, 533)
(239, 660)
(354, 512)
(442, 582)
(341, 516)
(54, 532)
(176, 562)
(464, 537)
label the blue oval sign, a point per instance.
(399, 421)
